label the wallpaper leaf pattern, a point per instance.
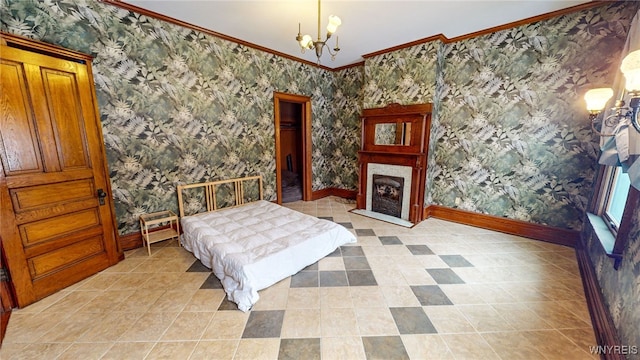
(509, 134)
(179, 106)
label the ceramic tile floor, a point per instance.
(438, 291)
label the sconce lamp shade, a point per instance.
(597, 99)
(630, 67)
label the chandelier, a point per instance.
(306, 42)
(597, 98)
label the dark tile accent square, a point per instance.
(365, 232)
(361, 278)
(333, 278)
(304, 279)
(384, 348)
(295, 349)
(430, 295)
(390, 240)
(212, 282)
(264, 324)
(227, 305)
(330, 218)
(445, 276)
(455, 261)
(347, 225)
(352, 251)
(336, 252)
(419, 249)
(313, 266)
(356, 263)
(412, 320)
(197, 266)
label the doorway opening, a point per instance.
(292, 116)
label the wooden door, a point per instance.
(57, 214)
(305, 142)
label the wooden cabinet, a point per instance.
(57, 218)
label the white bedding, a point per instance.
(253, 246)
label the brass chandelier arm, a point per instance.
(306, 41)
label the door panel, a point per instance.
(18, 138)
(34, 197)
(46, 263)
(54, 229)
(36, 232)
(66, 118)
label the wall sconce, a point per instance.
(597, 99)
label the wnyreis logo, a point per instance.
(614, 349)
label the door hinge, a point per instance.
(4, 275)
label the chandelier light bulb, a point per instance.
(306, 41)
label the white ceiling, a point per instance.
(367, 26)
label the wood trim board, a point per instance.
(546, 233)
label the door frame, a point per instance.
(305, 124)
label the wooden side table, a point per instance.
(154, 227)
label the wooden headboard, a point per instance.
(210, 188)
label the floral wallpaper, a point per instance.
(179, 106)
(345, 130)
(510, 136)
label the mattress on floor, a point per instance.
(255, 245)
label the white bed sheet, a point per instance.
(253, 246)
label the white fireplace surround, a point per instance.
(391, 170)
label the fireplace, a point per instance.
(386, 197)
(388, 190)
(393, 170)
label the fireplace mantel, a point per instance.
(396, 135)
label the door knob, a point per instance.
(101, 196)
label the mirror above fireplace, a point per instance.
(393, 133)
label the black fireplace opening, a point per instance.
(387, 195)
